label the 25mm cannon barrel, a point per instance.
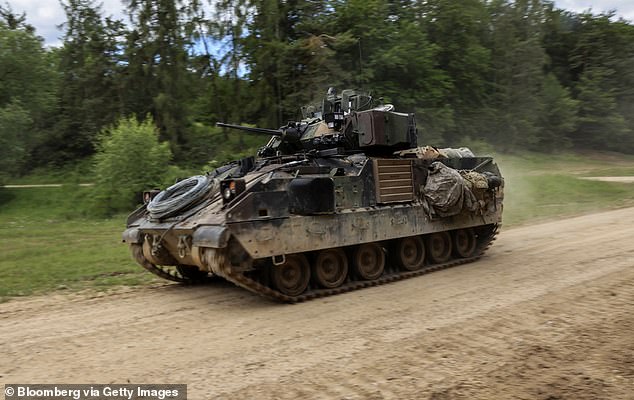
(274, 132)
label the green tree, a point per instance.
(15, 123)
(27, 90)
(603, 59)
(268, 61)
(560, 39)
(459, 30)
(389, 50)
(291, 57)
(221, 92)
(129, 159)
(600, 124)
(227, 28)
(558, 116)
(89, 93)
(156, 80)
(518, 61)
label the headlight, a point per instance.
(148, 195)
(231, 188)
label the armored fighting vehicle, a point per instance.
(340, 200)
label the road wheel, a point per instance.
(464, 242)
(330, 268)
(409, 253)
(439, 247)
(292, 277)
(368, 261)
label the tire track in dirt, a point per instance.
(491, 356)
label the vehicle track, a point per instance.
(482, 246)
(546, 314)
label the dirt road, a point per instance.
(548, 314)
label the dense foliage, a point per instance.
(129, 159)
(516, 74)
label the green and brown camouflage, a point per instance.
(340, 200)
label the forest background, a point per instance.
(516, 75)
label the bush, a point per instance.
(129, 159)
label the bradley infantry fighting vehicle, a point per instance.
(341, 200)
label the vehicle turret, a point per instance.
(349, 121)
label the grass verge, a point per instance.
(45, 245)
(540, 187)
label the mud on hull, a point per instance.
(303, 257)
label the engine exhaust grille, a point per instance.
(394, 180)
